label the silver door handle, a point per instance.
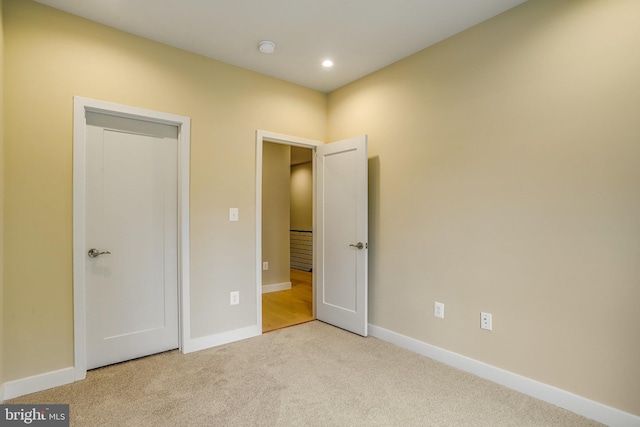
(359, 245)
(95, 253)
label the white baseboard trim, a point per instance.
(276, 287)
(203, 343)
(550, 394)
(1, 393)
(37, 383)
(21, 387)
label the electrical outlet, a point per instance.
(265, 265)
(234, 298)
(438, 310)
(485, 321)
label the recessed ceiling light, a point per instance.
(267, 46)
(327, 63)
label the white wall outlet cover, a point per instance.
(486, 321)
(438, 310)
(234, 298)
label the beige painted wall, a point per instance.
(302, 197)
(276, 160)
(504, 168)
(503, 178)
(50, 56)
(1, 198)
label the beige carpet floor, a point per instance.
(307, 375)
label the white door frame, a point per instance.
(81, 106)
(263, 136)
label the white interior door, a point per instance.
(131, 212)
(342, 234)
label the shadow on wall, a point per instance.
(374, 224)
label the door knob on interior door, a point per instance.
(359, 245)
(95, 253)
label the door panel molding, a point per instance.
(82, 106)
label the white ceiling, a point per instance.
(360, 36)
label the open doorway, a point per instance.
(287, 236)
(340, 228)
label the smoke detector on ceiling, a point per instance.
(266, 46)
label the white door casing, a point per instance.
(344, 302)
(131, 212)
(262, 137)
(341, 234)
(83, 107)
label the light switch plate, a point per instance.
(234, 214)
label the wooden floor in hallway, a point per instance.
(289, 307)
